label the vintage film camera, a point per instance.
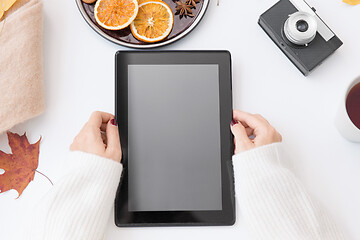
(300, 33)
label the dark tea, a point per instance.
(353, 105)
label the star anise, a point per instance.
(192, 2)
(183, 9)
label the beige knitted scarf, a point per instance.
(21, 64)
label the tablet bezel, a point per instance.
(226, 216)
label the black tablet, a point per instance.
(174, 110)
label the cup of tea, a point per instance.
(348, 116)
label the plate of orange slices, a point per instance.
(143, 23)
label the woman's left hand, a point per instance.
(100, 136)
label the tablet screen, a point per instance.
(174, 138)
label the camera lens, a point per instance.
(302, 25)
(300, 28)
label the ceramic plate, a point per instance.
(124, 37)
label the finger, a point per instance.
(242, 141)
(245, 124)
(103, 127)
(260, 117)
(113, 140)
(103, 137)
(249, 131)
(249, 119)
(98, 118)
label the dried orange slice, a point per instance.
(154, 21)
(142, 1)
(115, 14)
(5, 5)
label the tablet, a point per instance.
(174, 110)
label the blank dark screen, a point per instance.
(174, 138)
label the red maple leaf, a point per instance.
(20, 166)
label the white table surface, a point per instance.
(79, 78)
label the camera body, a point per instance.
(300, 33)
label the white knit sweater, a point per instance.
(274, 203)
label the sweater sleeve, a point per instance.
(79, 206)
(275, 205)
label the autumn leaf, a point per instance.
(20, 166)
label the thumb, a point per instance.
(113, 140)
(242, 141)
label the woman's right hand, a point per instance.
(245, 125)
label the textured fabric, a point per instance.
(21, 63)
(274, 203)
(79, 206)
